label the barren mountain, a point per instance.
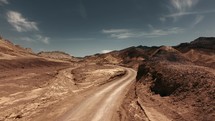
(202, 43)
(45, 87)
(24, 77)
(200, 51)
(16, 57)
(172, 83)
(129, 57)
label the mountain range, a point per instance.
(175, 81)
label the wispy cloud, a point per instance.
(162, 32)
(179, 8)
(106, 51)
(27, 39)
(37, 38)
(110, 31)
(119, 33)
(20, 23)
(198, 19)
(123, 35)
(189, 13)
(183, 5)
(183, 8)
(129, 33)
(199, 16)
(3, 2)
(45, 40)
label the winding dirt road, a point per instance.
(103, 103)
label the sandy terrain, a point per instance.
(102, 103)
(30, 90)
(172, 84)
(24, 92)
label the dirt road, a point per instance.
(103, 103)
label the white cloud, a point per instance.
(162, 32)
(189, 13)
(126, 33)
(123, 35)
(45, 40)
(118, 33)
(106, 51)
(179, 8)
(197, 20)
(183, 5)
(107, 31)
(20, 23)
(28, 39)
(3, 2)
(37, 38)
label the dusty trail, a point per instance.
(103, 103)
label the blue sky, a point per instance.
(85, 27)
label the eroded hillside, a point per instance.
(174, 85)
(46, 86)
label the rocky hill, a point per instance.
(57, 55)
(129, 57)
(200, 51)
(177, 82)
(16, 57)
(8, 50)
(33, 86)
(201, 43)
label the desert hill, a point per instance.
(200, 51)
(33, 86)
(129, 57)
(201, 43)
(177, 82)
(57, 55)
(16, 57)
(8, 50)
(180, 79)
(167, 53)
